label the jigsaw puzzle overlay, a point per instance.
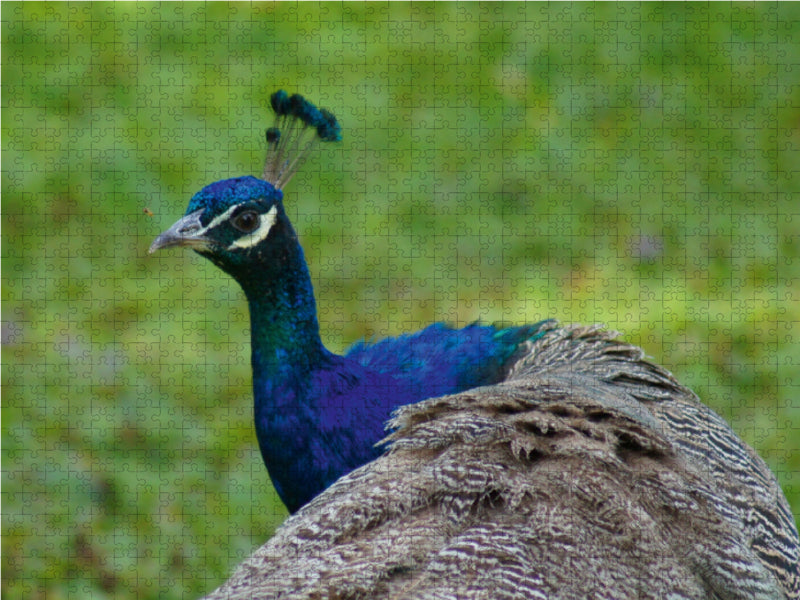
(619, 164)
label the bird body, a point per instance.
(522, 462)
(588, 472)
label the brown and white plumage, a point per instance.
(588, 473)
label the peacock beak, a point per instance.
(188, 231)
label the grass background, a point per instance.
(635, 165)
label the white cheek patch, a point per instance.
(256, 237)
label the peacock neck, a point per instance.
(293, 378)
(317, 415)
(285, 339)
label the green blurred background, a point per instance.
(634, 165)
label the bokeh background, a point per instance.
(633, 165)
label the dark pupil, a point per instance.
(246, 221)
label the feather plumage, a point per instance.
(522, 462)
(588, 473)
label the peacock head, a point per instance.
(236, 221)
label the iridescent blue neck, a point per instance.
(294, 376)
(283, 314)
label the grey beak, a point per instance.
(188, 231)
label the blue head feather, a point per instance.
(280, 103)
(328, 129)
(288, 142)
(298, 107)
(219, 196)
(273, 135)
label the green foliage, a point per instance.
(629, 164)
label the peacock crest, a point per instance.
(299, 127)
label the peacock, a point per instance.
(318, 415)
(535, 461)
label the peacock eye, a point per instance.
(247, 221)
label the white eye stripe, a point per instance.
(216, 221)
(265, 223)
(223, 217)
